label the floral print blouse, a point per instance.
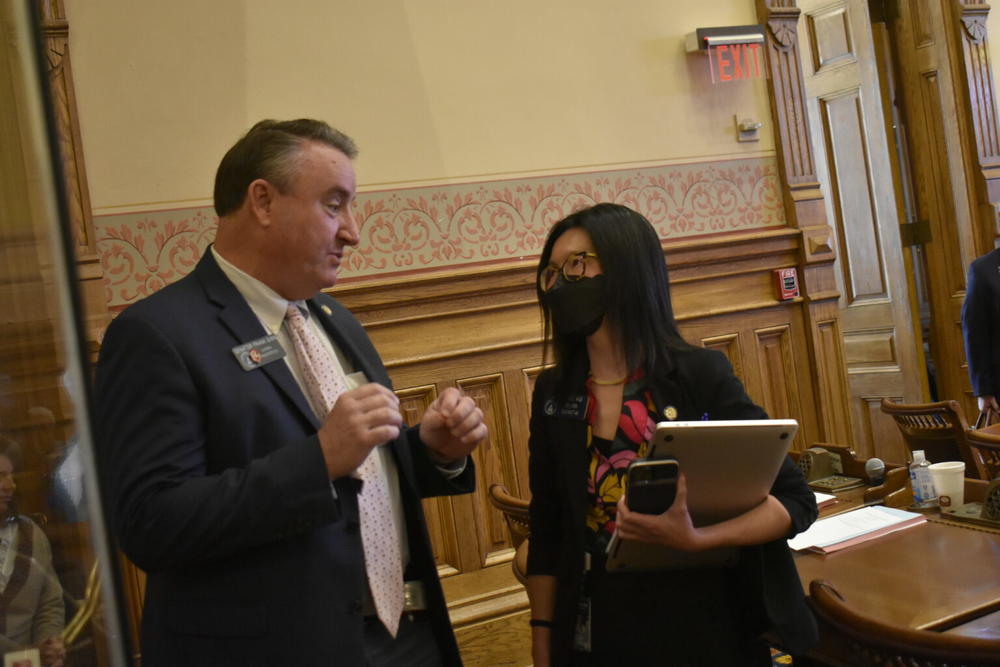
(609, 459)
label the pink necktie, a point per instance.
(325, 383)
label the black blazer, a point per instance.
(217, 487)
(981, 324)
(701, 383)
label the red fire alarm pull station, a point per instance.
(787, 282)
(734, 53)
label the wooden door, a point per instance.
(928, 93)
(854, 169)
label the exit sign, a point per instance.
(734, 52)
(734, 62)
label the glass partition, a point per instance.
(57, 585)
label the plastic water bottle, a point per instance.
(920, 479)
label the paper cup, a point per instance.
(949, 482)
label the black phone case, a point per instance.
(653, 497)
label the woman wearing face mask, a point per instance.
(621, 366)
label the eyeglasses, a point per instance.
(574, 268)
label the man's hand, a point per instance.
(673, 528)
(988, 402)
(452, 426)
(360, 420)
(52, 652)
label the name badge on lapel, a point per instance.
(259, 352)
(574, 407)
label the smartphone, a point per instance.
(652, 485)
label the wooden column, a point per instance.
(804, 210)
(55, 38)
(978, 117)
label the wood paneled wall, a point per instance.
(482, 332)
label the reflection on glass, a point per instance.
(53, 547)
(31, 595)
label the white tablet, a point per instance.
(729, 467)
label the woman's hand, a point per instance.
(673, 528)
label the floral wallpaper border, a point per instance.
(429, 228)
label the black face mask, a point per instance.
(577, 307)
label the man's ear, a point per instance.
(260, 199)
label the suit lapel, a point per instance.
(237, 316)
(336, 325)
(340, 325)
(577, 461)
(570, 433)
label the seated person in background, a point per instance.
(32, 613)
(621, 366)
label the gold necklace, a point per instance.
(607, 383)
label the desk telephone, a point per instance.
(824, 471)
(986, 513)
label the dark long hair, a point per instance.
(638, 311)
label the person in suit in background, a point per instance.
(981, 328)
(241, 415)
(32, 612)
(620, 366)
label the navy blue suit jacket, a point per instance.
(217, 488)
(981, 324)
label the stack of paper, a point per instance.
(843, 530)
(824, 499)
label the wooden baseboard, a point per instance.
(489, 612)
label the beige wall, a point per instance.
(431, 89)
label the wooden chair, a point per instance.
(937, 428)
(985, 446)
(515, 513)
(871, 642)
(85, 609)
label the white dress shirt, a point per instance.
(270, 309)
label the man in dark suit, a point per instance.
(981, 328)
(231, 485)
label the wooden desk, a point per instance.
(941, 576)
(930, 577)
(986, 627)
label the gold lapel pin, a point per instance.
(326, 309)
(670, 412)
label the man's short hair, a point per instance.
(271, 150)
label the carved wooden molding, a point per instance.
(979, 79)
(975, 28)
(784, 32)
(55, 36)
(785, 81)
(805, 211)
(51, 10)
(979, 109)
(55, 44)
